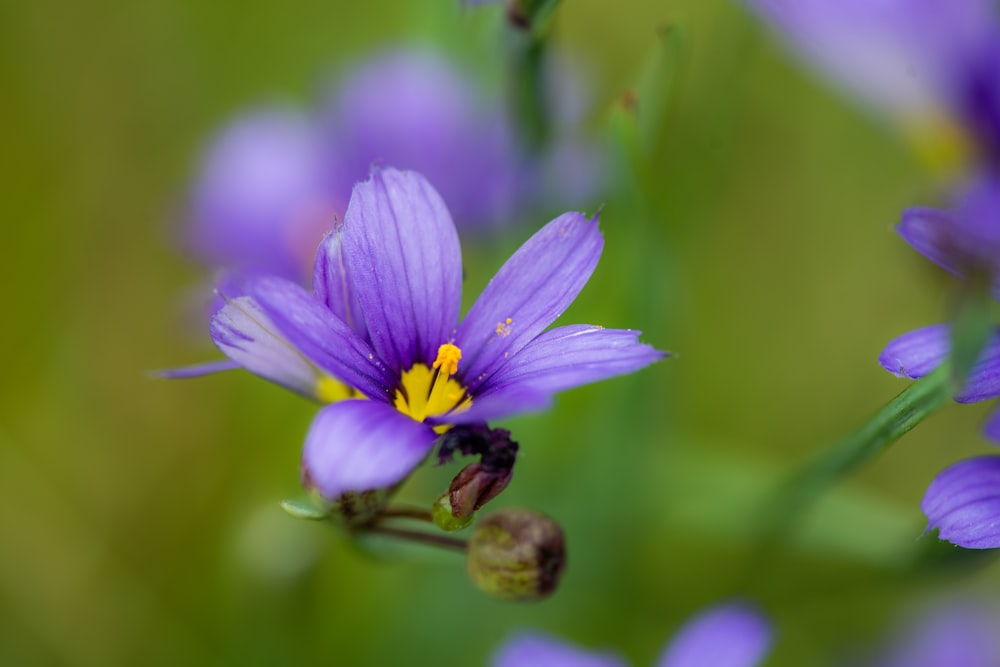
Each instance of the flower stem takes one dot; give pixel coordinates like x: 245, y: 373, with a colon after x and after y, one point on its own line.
x: 430, y: 539
x: 909, y: 408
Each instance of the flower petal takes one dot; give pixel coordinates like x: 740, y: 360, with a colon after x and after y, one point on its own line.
x: 358, y: 445
x: 963, y: 503
x: 247, y: 336
x: 403, y: 254
x: 332, y: 284
x: 571, y: 356
x: 983, y: 382
x: 935, y: 234
x: 916, y: 353
x: 537, y: 650
x: 527, y: 294
x: 196, y: 370
x: 731, y: 635
x: 504, y: 402
x: 321, y: 336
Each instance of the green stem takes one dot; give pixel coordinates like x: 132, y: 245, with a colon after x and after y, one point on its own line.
x: 912, y: 406
x: 528, y: 88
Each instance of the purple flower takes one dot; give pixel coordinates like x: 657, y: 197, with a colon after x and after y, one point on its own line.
x: 276, y: 180
x: 381, y: 330
x: 730, y: 635
x: 921, y: 61
x: 966, y: 243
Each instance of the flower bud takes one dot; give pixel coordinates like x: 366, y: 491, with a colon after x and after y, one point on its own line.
x: 516, y: 554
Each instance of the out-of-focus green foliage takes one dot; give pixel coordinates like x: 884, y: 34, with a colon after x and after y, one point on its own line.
x: 140, y: 518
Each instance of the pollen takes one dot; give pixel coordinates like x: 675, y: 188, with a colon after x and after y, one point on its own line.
x: 447, y: 360
x: 503, y: 328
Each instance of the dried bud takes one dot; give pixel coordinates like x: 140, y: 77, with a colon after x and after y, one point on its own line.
x: 516, y: 554
x: 476, y: 485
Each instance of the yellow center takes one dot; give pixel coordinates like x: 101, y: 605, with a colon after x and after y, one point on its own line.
x: 429, y: 392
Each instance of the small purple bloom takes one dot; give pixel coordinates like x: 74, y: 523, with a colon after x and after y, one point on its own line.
x: 729, y: 635
x: 963, y: 503
x: 381, y: 329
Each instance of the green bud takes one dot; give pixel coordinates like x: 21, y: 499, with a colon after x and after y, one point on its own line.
x: 444, y: 515
x: 516, y: 554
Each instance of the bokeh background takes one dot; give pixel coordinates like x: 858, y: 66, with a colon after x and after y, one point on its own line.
x: 139, y: 518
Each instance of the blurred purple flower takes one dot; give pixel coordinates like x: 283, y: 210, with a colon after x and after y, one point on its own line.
x: 262, y: 199
x: 414, y: 110
x: 924, y: 62
x: 277, y: 179
x: 959, y: 634
x: 966, y: 243
x: 381, y: 330
x: 537, y: 650
x: 730, y: 635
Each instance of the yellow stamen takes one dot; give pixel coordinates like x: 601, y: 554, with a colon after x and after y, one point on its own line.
x: 428, y: 393
x: 447, y: 360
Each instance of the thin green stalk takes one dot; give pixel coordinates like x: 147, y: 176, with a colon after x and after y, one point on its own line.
x: 909, y: 408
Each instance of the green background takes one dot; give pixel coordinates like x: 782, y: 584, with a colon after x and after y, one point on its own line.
x: 139, y: 517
